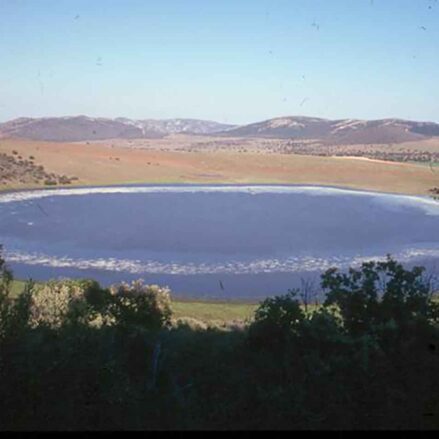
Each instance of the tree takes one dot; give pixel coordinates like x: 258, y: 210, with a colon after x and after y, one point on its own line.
x: 380, y: 293
x: 14, y: 314
x: 276, y: 319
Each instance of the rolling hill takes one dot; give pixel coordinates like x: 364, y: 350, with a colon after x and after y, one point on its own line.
x: 331, y: 132
x: 344, y: 131
x: 79, y: 128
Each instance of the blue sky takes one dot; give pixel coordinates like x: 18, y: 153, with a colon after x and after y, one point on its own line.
x: 234, y: 61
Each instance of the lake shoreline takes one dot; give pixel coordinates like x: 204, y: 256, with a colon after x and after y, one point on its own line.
x: 33, y: 188
x: 192, y: 261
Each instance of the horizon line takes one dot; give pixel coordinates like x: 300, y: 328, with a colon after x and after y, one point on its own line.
x: 215, y: 121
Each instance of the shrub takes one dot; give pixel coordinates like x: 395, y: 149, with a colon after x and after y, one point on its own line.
x: 148, y: 306
x: 276, y: 319
x: 190, y: 323
x: 14, y: 315
x: 85, y: 302
x: 5, y: 282
x: 60, y: 302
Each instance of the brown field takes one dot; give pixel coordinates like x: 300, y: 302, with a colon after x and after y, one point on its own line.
x: 158, y: 161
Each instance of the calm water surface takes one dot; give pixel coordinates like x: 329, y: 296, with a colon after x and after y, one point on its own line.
x: 212, y: 241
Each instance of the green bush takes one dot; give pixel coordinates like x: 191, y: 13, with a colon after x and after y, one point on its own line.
x: 276, y: 319
x: 14, y: 315
x: 138, y: 304
x: 56, y: 303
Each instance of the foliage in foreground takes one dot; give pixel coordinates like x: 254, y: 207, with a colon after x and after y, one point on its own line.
x: 77, y: 356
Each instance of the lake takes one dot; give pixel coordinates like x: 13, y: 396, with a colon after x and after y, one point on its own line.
x: 219, y: 241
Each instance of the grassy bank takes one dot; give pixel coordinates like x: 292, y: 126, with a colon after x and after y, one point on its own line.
x: 201, y: 310
x: 209, y: 311
x: 204, y: 310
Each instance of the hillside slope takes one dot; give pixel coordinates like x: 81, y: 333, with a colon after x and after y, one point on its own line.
x: 80, y: 128
x: 345, y: 131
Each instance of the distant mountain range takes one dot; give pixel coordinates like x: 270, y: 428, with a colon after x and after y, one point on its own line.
x: 79, y: 128
x: 342, y: 131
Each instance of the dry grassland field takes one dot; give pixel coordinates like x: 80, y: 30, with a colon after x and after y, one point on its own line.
x: 202, y: 159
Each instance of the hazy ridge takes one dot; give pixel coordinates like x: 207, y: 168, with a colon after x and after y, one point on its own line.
x: 79, y: 128
x: 341, y: 131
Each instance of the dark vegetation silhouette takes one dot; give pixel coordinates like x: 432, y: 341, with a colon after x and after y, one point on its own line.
x: 78, y: 356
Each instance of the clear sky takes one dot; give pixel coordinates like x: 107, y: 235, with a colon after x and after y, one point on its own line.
x: 235, y: 61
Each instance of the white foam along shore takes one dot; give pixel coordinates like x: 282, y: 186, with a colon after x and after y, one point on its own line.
x: 429, y: 205
x: 286, y: 265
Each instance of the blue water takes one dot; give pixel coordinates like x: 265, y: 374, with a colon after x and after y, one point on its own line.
x: 212, y: 241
